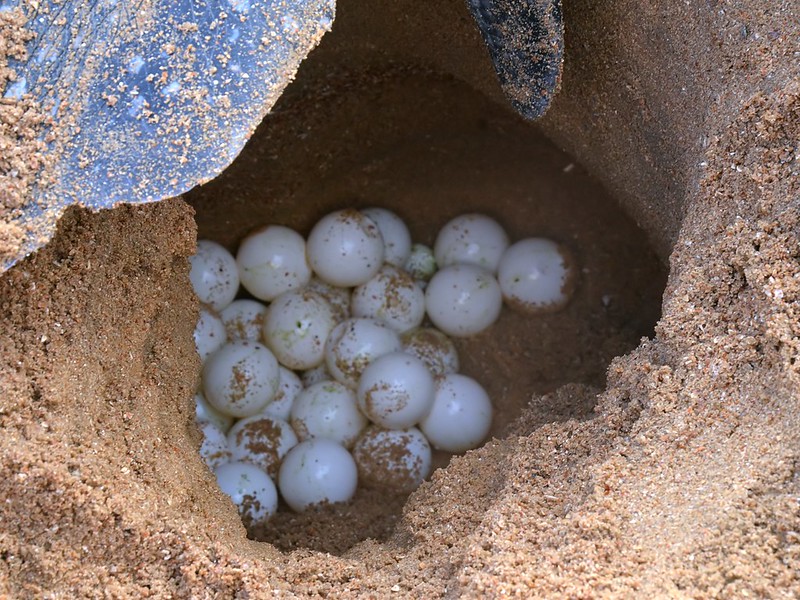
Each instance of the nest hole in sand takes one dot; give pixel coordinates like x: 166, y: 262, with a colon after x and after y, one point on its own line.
x: 430, y: 147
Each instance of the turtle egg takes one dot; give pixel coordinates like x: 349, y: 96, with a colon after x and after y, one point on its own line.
x: 337, y: 297
x: 536, y: 275
x: 433, y: 348
x: 281, y: 405
x: 317, y: 471
x: 471, y: 239
x: 240, y: 378
x: 461, y: 414
x: 214, y: 449
x: 243, y: 319
x: 396, y: 238
x: 261, y: 441
x: 205, y: 413
x: 355, y: 343
x: 328, y: 410
x: 209, y: 333
x: 272, y: 261
x: 251, y: 490
x: 394, y: 459
x: 345, y: 248
x: 391, y: 296
x: 213, y: 274
x: 421, y: 264
x: 396, y: 391
x: 296, y: 327
x: 463, y: 300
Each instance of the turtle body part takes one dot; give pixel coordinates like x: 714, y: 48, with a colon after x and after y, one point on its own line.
x: 526, y: 43
x: 145, y: 99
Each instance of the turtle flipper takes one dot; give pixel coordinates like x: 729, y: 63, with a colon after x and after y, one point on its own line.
x: 150, y: 98
x: 526, y: 43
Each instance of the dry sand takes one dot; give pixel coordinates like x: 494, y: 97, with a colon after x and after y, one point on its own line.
x: 682, y: 482
x: 22, y: 151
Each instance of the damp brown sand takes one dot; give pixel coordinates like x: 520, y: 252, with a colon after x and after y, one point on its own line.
x: 683, y: 484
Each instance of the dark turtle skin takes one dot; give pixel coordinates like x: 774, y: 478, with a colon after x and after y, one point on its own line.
x: 525, y: 39
x: 149, y: 98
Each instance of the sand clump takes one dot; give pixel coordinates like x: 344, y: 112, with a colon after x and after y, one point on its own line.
x: 676, y: 477
x: 22, y: 147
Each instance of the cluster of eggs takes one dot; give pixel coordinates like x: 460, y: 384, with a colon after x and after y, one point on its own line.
x: 330, y: 375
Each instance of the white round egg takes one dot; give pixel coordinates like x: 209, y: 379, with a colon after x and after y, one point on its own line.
x: 205, y: 413
x: 421, y: 264
x: 397, y: 460
x: 355, y: 343
x: 244, y: 319
x: 272, y: 261
x: 390, y: 296
x: 214, y: 448
x: 281, y: 405
x: 463, y: 300
x: 472, y: 239
x: 433, y: 348
x: 337, y: 297
x: 241, y: 378
x: 251, y: 490
x: 296, y: 328
x: 261, y: 441
x: 461, y: 414
x: 317, y: 471
x: 537, y: 275
x: 396, y: 237
x: 214, y: 275
x: 328, y: 410
x: 209, y: 333
x: 345, y: 248
x: 396, y: 390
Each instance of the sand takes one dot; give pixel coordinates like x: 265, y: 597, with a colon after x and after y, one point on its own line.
x: 23, y: 159
x: 670, y: 470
